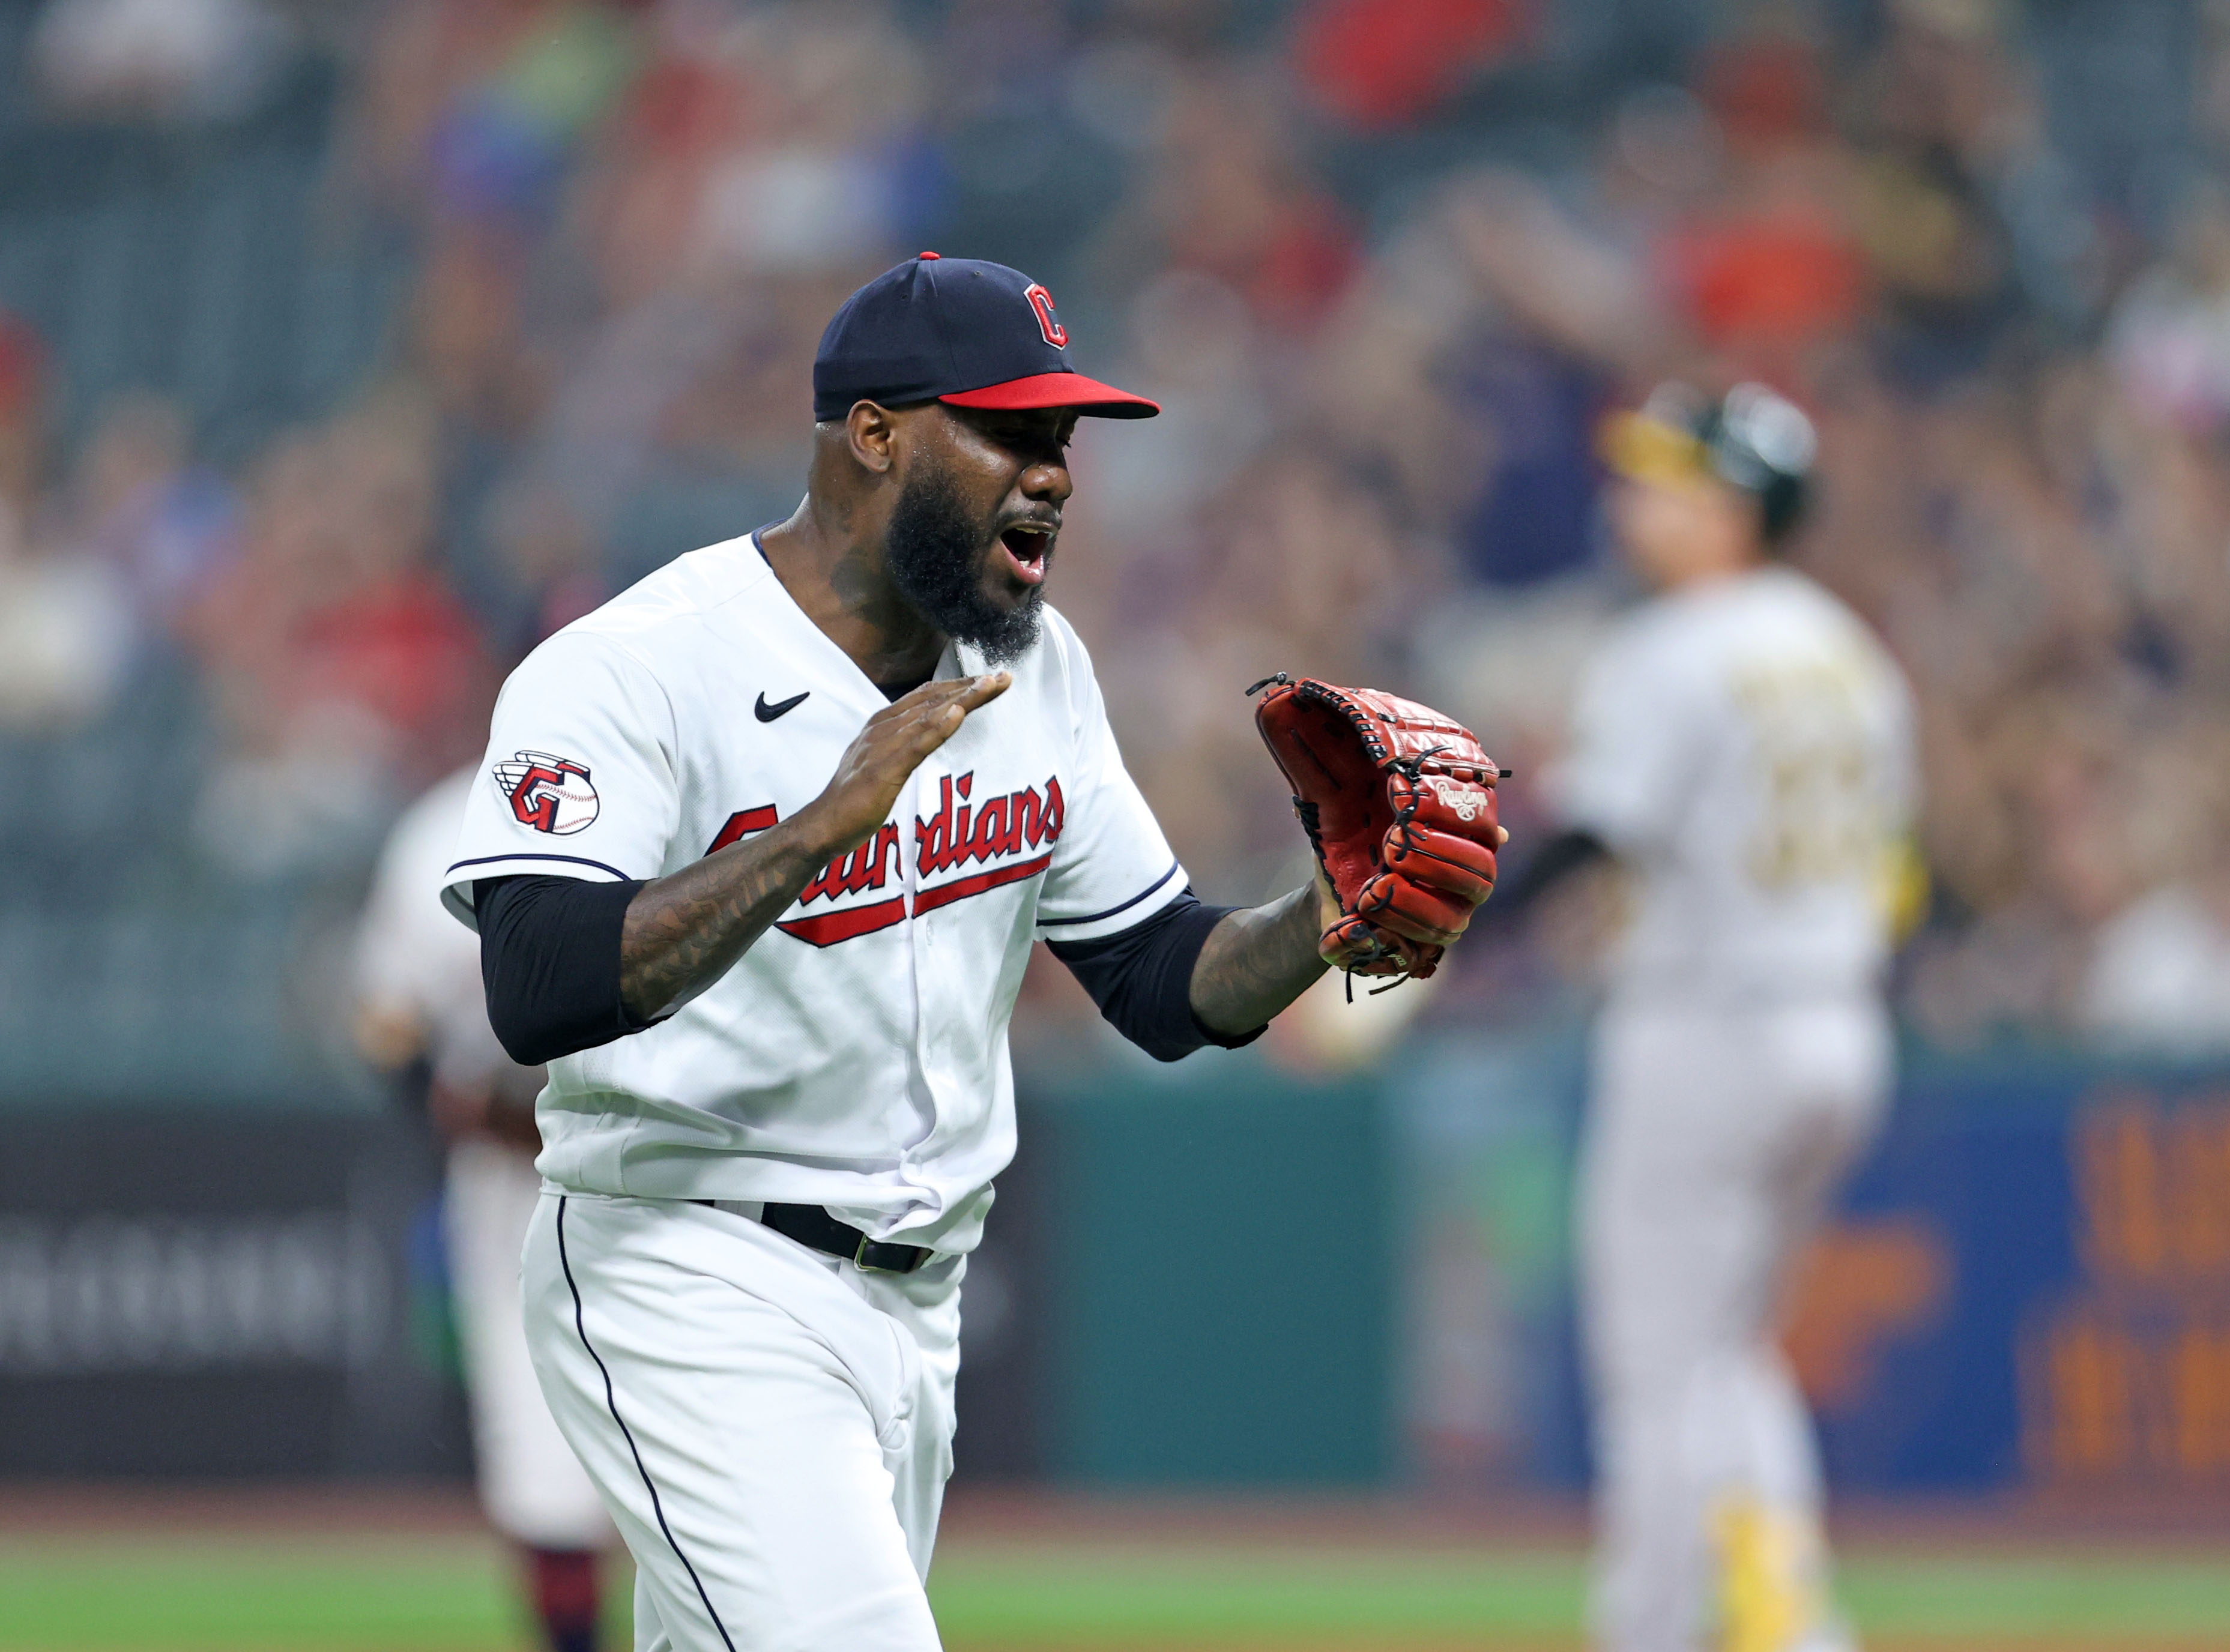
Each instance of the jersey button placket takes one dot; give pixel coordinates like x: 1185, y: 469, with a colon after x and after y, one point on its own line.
x: 921, y: 944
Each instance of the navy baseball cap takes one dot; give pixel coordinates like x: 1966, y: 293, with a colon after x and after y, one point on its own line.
x: 956, y: 330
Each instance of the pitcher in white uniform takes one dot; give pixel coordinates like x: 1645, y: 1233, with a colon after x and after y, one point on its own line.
x: 756, y: 857
x: 1741, y: 745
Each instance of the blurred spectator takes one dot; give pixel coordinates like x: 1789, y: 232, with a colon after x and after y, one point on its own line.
x: 2169, y: 342
x: 164, y: 525
x: 389, y: 635
x: 499, y: 150
x: 65, y: 634
x: 200, y: 60
x: 550, y: 559
x: 1224, y: 195
x: 345, y: 673
x: 1761, y: 267
x: 1195, y: 349
x: 472, y: 111
x: 2159, y: 977
x: 468, y: 331
x: 22, y: 414
x: 815, y: 184
x: 66, y: 622
x: 1378, y: 63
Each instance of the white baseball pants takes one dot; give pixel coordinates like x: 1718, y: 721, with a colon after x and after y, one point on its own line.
x: 771, y: 1428
x: 1715, y: 1141
x: 530, y: 1484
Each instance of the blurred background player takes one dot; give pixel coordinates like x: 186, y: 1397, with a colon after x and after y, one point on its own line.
x: 1741, y: 746
x: 422, y: 1017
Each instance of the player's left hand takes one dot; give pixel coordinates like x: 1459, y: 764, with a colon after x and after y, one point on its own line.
x: 1439, y: 865
x: 1398, y: 804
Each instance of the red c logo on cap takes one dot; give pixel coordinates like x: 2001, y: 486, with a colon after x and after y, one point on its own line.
x: 1041, y: 303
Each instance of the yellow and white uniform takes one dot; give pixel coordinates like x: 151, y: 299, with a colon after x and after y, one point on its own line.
x: 1744, y: 747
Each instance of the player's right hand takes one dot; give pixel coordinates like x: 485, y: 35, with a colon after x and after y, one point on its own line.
x: 873, y: 769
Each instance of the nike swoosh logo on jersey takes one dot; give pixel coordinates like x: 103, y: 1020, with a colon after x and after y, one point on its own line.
x: 766, y: 713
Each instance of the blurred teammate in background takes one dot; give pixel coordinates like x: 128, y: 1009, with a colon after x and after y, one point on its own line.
x: 422, y: 1015
x: 1742, y: 747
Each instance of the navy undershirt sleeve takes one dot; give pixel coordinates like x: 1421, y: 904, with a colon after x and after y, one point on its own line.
x: 1141, y: 977
x: 550, y: 959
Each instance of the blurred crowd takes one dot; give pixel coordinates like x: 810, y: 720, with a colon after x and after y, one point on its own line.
x: 630, y: 222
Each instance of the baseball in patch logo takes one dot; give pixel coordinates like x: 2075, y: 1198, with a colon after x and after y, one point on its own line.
x: 548, y: 793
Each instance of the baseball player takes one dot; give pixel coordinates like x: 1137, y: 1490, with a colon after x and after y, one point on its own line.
x: 1741, y: 746
x: 420, y: 1012
x: 756, y: 859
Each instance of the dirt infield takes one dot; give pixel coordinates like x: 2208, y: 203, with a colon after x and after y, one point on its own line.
x: 1535, y: 1520
x: 34, y: 1507
x: 1002, y: 1514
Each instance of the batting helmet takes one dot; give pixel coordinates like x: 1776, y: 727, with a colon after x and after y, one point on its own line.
x: 1752, y: 438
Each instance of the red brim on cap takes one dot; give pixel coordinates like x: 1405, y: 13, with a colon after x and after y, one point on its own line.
x: 1058, y: 390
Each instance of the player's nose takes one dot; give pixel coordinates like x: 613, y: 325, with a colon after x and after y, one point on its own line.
x: 1048, y: 480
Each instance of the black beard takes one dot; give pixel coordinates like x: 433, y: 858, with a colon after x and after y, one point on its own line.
x: 935, y: 556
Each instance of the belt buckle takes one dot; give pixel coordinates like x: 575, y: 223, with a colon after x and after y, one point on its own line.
x: 860, y: 1258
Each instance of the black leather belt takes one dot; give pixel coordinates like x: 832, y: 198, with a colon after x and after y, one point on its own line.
x: 811, y: 1225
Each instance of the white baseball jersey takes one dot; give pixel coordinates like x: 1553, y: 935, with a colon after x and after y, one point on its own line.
x: 856, y: 1057
x: 410, y: 958
x: 1745, y: 747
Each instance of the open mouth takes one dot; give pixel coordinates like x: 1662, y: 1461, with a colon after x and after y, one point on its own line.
x: 1027, y: 548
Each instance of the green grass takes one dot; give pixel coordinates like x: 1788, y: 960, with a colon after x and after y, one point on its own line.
x: 329, y: 1595
x: 2112, y: 1596
x: 335, y: 1593
x: 1134, y: 1595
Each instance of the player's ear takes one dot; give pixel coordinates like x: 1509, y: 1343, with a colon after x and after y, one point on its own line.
x: 872, y: 433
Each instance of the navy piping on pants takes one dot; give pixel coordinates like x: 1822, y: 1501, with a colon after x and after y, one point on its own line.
x: 612, y: 1405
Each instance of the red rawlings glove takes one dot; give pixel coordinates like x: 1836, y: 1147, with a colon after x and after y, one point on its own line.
x: 1398, y: 804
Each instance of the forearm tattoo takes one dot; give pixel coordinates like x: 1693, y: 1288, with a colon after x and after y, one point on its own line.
x: 1256, y: 961
x: 684, y: 932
